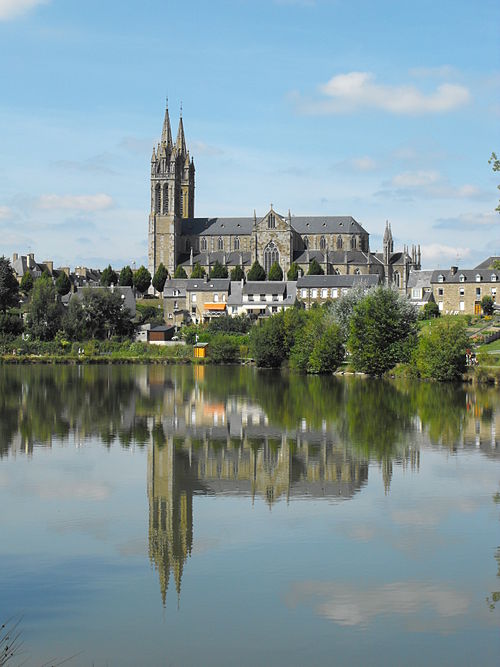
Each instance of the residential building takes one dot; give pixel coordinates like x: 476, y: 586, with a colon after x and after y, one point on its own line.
x: 460, y: 291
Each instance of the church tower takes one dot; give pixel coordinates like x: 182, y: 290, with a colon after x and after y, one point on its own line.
x: 172, y: 196
x: 388, y: 250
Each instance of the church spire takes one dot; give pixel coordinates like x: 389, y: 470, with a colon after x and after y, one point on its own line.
x: 180, y: 142
x: 166, y: 135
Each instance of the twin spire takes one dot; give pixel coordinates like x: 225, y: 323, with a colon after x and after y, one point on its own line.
x: 166, y: 134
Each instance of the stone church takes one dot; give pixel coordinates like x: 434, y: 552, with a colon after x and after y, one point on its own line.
x: 176, y: 237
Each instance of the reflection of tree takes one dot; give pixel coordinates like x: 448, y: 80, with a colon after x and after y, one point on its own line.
x: 495, y: 596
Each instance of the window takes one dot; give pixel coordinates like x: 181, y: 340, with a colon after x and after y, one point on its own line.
x: 237, y: 243
x: 339, y: 242
x: 271, y: 255
x: 250, y: 297
x: 336, y: 272
x: 193, y: 298
x: 396, y: 279
x: 306, y: 242
x: 440, y: 305
x: 353, y: 243
x: 157, y: 198
x: 303, y: 293
x: 182, y: 202
x: 440, y: 278
x: 493, y: 292
x: 322, y: 243
x: 262, y: 297
x: 314, y: 294
x: 177, y: 292
x: 493, y: 278
x: 462, y: 305
x: 324, y: 293
x: 462, y: 291
x: 335, y: 293
x: 478, y: 291
x: 440, y: 291
x: 170, y: 316
x: 416, y: 293
x: 478, y: 278
x: 224, y: 298
x: 357, y: 272
x: 220, y: 243
x: 216, y: 298
x: 193, y: 310
x: 165, y: 198
x: 462, y: 278
x: 271, y: 221
x: 203, y: 243
x: 176, y: 305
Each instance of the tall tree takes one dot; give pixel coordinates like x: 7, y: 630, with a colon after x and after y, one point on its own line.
x: 142, y: 280
x: 126, y: 278
x: 218, y: 271
x: 315, y: 268
x: 440, y: 354
x: 293, y: 271
x: 109, y: 277
x: 180, y: 272
x: 26, y: 283
x: 275, y: 272
x: 9, y: 287
x: 237, y: 273
x: 256, y: 272
x: 63, y: 284
x: 45, y: 311
x: 160, y: 278
x: 198, y: 271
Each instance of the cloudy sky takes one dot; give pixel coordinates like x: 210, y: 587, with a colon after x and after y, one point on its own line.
x: 379, y: 110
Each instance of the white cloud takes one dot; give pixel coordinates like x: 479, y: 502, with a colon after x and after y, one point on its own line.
x: 364, y: 163
x: 11, y: 9
x: 359, y: 91
x: 5, y: 212
x: 437, y: 253
x: 439, y: 72
x: 415, y: 179
x: 468, y: 221
x: 428, y: 184
x: 97, y: 202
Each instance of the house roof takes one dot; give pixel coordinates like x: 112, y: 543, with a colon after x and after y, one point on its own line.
x: 419, y: 279
x: 486, y: 264
x: 265, y: 287
x: 233, y: 258
x: 469, y: 275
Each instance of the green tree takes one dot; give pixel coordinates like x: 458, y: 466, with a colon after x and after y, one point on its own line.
x: 10, y: 324
x: 342, y: 309
x: 142, y: 280
x: 45, y: 311
x: 26, y: 283
x: 109, y: 277
x: 293, y: 271
x: 382, y: 331
x: 328, y: 351
x: 99, y: 314
x: 179, y: 272
x: 275, y: 272
x: 315, y: 269
x: 198, y: 271
x: 256, y: 272
x: 237, y: 273
x: 223, y: 349
x: 495, y: 165
x: 266, y: 342
x: 218, y: 271
x: 440, y: 353
x: 9, y: 287
x: 126, y: 278
x: 495, y: 265
x: 63, y: 284
x: 430, y: 311
x: 160, y: 278
x: 487, y: 304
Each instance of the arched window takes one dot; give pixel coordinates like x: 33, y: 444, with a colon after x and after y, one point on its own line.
x: 271, y: 255
x: 306, y: 242
x: 237, y: 243
x: 203, y: 243
x: 339, y: 242
x: 271, y: 221
x: 396, y: 278
x: 165, y: 199
x: 157, y: 198
x: 322, y: 243
x: 353, y: 243
x: 220, y: 243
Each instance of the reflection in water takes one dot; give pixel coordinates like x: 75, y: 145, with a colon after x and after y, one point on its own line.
x: 238, y: 431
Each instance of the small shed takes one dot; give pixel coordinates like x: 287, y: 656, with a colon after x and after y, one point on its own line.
x: 160, y: 334
x: 200, y: 350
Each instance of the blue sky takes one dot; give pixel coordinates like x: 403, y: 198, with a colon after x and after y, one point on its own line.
x: 379, y: 110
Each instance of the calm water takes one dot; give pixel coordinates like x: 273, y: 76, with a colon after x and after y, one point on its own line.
x: 225, y: 516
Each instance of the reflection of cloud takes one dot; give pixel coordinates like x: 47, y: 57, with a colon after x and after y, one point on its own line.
x: 351, y: 605
x: 134, y: 547
x: 69, y: 490
x: 94, y: 527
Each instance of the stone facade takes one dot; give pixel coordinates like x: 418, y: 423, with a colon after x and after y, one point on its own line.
x: 460, y: 291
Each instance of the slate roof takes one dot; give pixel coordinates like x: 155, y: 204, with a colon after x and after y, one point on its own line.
x: 264, y: 287
x: 332, y: 224
x: 370, y: 280
x: 488, y: 262
x: 232, y: 258
x: 319, y: 224
x: 202, y: 285
x: 419, y: 279
x: 469, y: 275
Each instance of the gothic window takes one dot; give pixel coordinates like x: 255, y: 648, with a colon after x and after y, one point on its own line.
x: 220, y: 243
x: 339, y: 242
x: 157, y: 198
x: 271, y: 255
x: 306, y: 242
x: 203, y: 243
x: 271, y: 221
x: 165, y: 199
x: 182, y: 203
x: 396, y: 279
x: 237, y: 243
x: 353, y: 243
x: 322, y: 243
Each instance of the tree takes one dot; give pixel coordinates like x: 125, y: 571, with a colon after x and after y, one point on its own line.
x: 495, y: 165
x: 198, y: 271
x: 237, y: 273
x: 275, y: 272
x: 315, y: 269
x: 382, y: 331
x: 440, y: 353
x: 109, y: 277
x: 266, y: 342
x: 429, y: 311
x: 63, y: 284
x: 142, y: 280
x: 126, y: 278
x: 45, y: 311
x: 160, y: 278
x: 99, y: 314
x: 218, y: 271
x: 179, y: 272
x: 223, y: 349
x: 256, y: 272
x: 293, y: 271
x: 495, y: 265
x: 9, y: 287
x: 328, y: 351
x: 487, y: 304
x: 342, y: 309
x: 26, y: 283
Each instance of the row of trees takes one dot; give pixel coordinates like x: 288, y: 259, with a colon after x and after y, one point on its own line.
x: 255, y: 273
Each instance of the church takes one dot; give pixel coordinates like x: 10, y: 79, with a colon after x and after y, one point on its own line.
x: 339, y: 244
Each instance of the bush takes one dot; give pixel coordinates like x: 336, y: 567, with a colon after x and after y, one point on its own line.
x: 223, y: 348
x: 10, y: 324
x: 228, y: 324
x: 315, y: 269
x: 267, y: 342
x: 487, y: 304
x: 429, y: 311
x: 293, y: 271
x: 328, y: 351
x: 198, y: 271
x: 440, y: 353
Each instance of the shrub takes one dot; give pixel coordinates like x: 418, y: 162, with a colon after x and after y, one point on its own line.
x: 237, y: 273
x: 487, y: 304
x: 293, y: 271
x: 223, y: 348
x: 440, y: 353
x: 142, y: 279
x: 198, y: 271
x: 267, y: 342
x: 430, y: 310
x: 315, y: 269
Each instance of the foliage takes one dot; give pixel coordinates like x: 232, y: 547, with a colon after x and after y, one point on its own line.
x: 487, y: 304
x: 495, y: 265
x: 227, y: 324
x: 256, y: 272
x: 224, y: 349
x: 293, y: 271
x: 267, y: 342
x: 146, y: 314
x: 9, y: 287
x: 45, y: 311
x: 342, y: 308
x: 126, y: 278
x: 237, y: 273
x: 429, y: 311
x: 26, y: 283
x: 328, y: 351
x: 318, y: 346
x: 275, y: 272
x: 99, y: 314
x: 382, y: 331
x: 160, y: 278
x: 198, y: 271
x: 142, y: 280
x: 180, y: 272
x: 314, y: 268
x: 218, y: 271
x: 440, y: 353
x: 109, y: 277
x: 10, y: 324
x: 63, y: 284
x: 495, y: 165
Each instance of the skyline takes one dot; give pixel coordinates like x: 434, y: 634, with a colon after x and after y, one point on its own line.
x: 323, y: 107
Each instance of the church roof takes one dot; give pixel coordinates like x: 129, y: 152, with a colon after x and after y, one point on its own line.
x: 302, y: 224
x: 332, y: 224
x: 217, y: 226
x: 233, y: 258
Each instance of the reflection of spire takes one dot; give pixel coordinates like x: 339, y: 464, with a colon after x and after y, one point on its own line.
x: 387, y: 473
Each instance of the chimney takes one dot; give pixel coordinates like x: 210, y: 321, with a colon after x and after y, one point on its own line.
x: 50, y: 266
x: 453, y: 270
x: 31, y: 260
x: 15, y: 257
x: 64, y: 269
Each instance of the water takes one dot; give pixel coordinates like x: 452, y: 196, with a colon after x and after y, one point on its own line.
x: 225, y: 516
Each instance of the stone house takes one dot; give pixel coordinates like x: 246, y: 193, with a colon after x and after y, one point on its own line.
x: 318, y: 289
x: 419, y: 288
x: 261, y: 298
x: 460, y: 291
x: 195, y: 300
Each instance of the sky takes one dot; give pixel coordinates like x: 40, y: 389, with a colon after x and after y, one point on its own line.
x: 384, y: 110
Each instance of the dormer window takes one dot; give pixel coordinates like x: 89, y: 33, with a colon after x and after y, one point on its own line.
x: 440, y: 278
x: 493, y: 277
x: 478, y: 278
